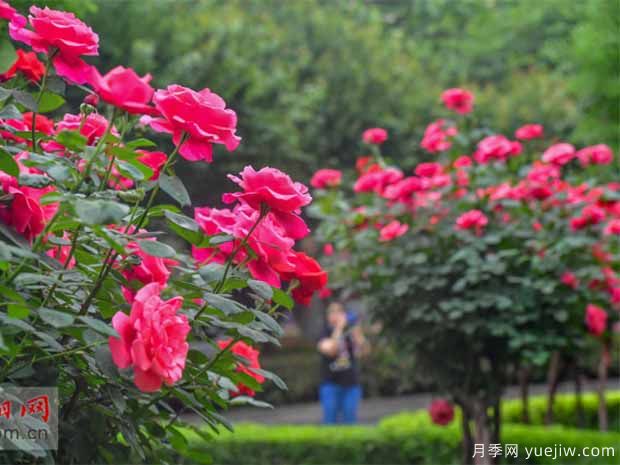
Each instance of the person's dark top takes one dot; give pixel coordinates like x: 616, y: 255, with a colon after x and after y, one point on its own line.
x: 343, y: 369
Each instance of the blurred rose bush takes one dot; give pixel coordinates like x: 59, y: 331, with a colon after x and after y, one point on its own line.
x: 93, y: 301
x: 487, y: 256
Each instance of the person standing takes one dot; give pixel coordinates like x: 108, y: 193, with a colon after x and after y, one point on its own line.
x: 340, y: 346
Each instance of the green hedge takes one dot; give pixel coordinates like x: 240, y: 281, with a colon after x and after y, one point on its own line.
x: 408, y: 438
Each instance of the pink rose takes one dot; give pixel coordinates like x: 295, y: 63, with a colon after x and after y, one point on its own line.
x: 153, y: 339
x: 463, y: 161
x: 154, y: 160
x: 124, y: 89
x: 596, y: 319
x: 428, y: 170
x: 403, y: 190
x: 10, y: 14
x: 326, y: 178
x: 441, y: 412
x: 472, y: 219
x: 599, y: 154
x: 436, y: 136
x: 529, y: 132
x: 569, y: 279
x: 376, y: 136
x: 149, y: 269
x: 613, y: 227
x: 591, y: 214
x: 559, y: 154
x: 59, y: 31
x: 93, y: 127
x: 377, y: 181
x: 202, y: 115
x: 328, y: 250
x: 458, y: 100
x: 495, y: 148
x: 249, y: 357
x: 275, y: 189
x: 392, y: 230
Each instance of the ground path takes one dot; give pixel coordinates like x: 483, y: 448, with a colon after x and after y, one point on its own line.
x: 371, y: 410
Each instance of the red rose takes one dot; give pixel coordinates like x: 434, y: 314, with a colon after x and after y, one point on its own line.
x: 473, y: 219
x: 613, y: 227
x: 376, y: 136
x: 27, y: 64
x: 591, y: 214
x: 43, y: 124
x: 463, y: 161
x: 272, y: 187
x: 202, y: 115
x: 310, y: 275
x: 599, y: 154
x: 124, y: 89
x: 377, y: 181
x: 596, y: 319
x: 458, y: 100
x: 249, y: 357
x: 569, y: 279
x: 559, y: 154
x: 62, y: 33
x: 529, y: 132
x: 326, y: 178
x: 441, y: 412
x: 154, y: 160
x: 428, y: 170
x: 392, y: 230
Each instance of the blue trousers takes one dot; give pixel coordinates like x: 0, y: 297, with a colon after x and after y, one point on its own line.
x: 339, y: 403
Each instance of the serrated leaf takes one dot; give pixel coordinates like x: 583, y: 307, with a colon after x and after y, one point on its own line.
x: 282, y: 298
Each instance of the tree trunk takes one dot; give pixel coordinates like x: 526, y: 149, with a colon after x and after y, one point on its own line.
x: 579, y: 412
x: 497, y: 422
x: 602, y: 385
x: 553, y: 378
x: 468, y: 443
x: 483, y: 433
x: 524, y: 385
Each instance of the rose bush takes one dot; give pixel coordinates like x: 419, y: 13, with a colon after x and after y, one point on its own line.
x: 485, y: 258
x: 132, y: 331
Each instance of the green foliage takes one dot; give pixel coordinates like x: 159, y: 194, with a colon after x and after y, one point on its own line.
x: 403, y: 439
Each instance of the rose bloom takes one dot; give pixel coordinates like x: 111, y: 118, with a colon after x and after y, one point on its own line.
x: 392, y: 230
x: 8, y: 12
x: 427, y: 170
x: 364, y: 164
x: 23, y: 209
x: 472, y: 219
x: 529, y: 132
x: 202, y: 116
x: 403, y: 190
x: 591, y: 214
x: 596, y: 319
x: 328, y: 250
x: 154, y: 160
x: 26, y: 64
x: 569, y: 279
x: 275, y: 189
x: 375, y: 136
x: 458, y: 100
x: 93, y: 127
x: 495, y: 148
x: 559, y: 154
x: 462, y: 162
x: 249, y: 357
x: 311, y: 277
x: 124, y: 89
x: 153, y: 339
x: 436, y: 136
x: 441, y: 412
x: 326, y: 178
x: 150, y: 269
x: 613, y: 227
x: 377, y: 181
x: 62, y: 33
x: 42, y: 124
x: 599, y: 154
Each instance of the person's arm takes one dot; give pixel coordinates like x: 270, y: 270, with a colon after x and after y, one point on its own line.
x: 329, y: 345
x: 362, y: 346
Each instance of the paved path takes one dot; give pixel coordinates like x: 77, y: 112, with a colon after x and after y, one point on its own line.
x: 371, y: 410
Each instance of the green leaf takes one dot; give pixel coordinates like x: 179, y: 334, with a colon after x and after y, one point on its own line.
x: 272, y: 376
x: 211, y: 272
x: 100, y: 211
x: 50, y: 102
x: 99, y: 326
x: 73, y: 140
x: 55, y: 318
x: 157, y: 249
x: 228, y: 306
x: 18, y: 311
x: 174, y: 187
x: 263, y: 289
x: 8, y: 164
x: 25, y: 99
x: 56, y: 85
x: 35, y: 180
x: 282, y: 298
x: 185, y: 227
x: 142, y: 142
x: 10, y: 112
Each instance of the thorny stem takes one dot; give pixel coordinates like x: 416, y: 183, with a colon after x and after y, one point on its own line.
x: 41, y: 90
